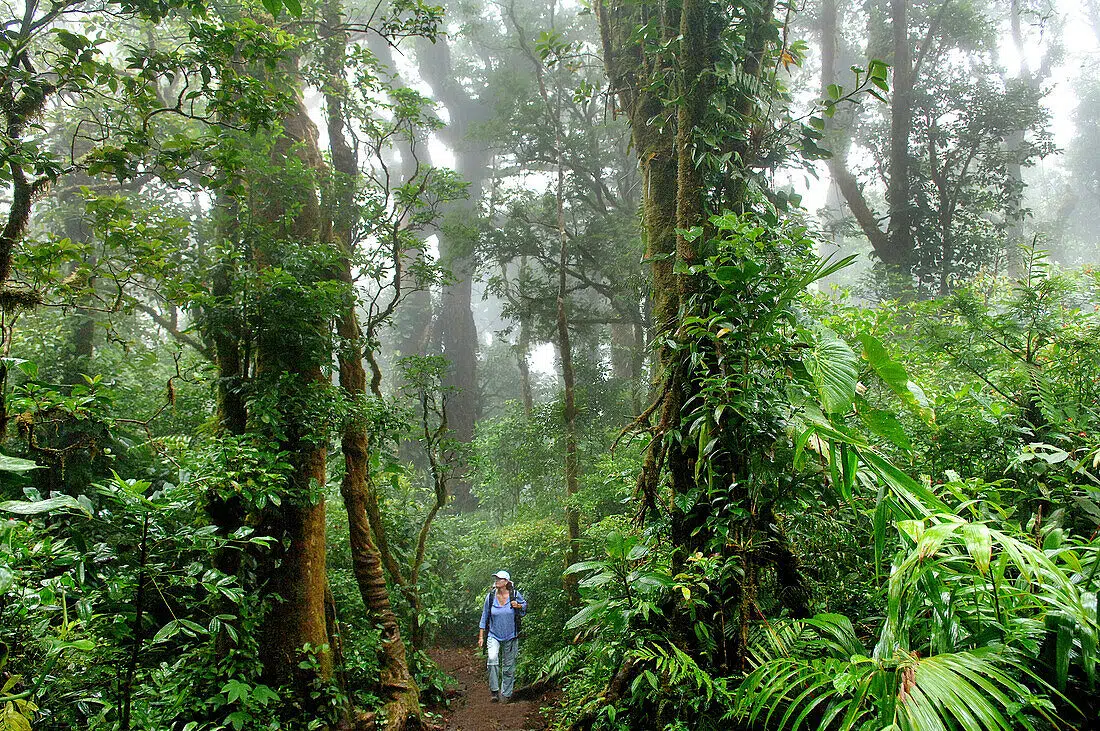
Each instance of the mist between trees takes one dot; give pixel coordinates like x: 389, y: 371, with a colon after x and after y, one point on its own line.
x: 759, y: 341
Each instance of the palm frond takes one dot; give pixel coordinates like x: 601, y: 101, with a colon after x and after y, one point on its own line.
x: 974, y: 690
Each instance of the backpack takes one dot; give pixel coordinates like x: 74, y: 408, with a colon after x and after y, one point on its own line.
x: 516, y: 615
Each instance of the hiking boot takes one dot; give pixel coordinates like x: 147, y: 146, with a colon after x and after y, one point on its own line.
x: 506, y: 699
x: 493, y: 696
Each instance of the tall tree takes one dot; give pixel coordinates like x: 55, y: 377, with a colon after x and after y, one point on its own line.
x: 401, y: 703
x: 931, y: 157
x: 456, y: 334
x: 552, y: 103
x: 291, y: 356
x: 677, y: 194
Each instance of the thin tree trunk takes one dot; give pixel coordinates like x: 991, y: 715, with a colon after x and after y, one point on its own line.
x: 523, y: 347
x: 899, y: 254
x: 400, y: 696
x: 135, y: 647
x: 565, y: 348
x: 839, y: 135
x: 1015, y: 240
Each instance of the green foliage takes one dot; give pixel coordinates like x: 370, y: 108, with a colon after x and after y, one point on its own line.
x: 633, y: 588
x: 90, y: 603
x: 981, y: 623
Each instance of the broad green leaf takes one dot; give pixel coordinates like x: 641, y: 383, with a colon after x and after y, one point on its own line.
x: 17, y: 464
x: 979, y: 545
x: 1063, y: 647
x: 833, y: 366
x: 916, y: 496
x: 587, y: 614
x: 912, y: 528
x: 884, y: 424
x: 167, y: 631
x: 894, y: 375
x: 82, y: 645
x: 839, y: 632
x: 28, y: 367
x: 13, y: 720
x: 61, y: 502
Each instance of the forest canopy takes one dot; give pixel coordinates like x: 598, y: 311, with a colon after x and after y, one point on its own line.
x: 758, y: 343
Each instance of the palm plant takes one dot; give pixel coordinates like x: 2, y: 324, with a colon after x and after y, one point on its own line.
x: 974, y: 609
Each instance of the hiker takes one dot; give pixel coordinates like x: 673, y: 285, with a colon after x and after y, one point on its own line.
x: 500, y: 618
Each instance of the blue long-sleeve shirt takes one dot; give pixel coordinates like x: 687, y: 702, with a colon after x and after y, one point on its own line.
x: 501, y: 620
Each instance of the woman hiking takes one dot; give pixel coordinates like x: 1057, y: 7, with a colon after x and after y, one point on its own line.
x: 500, y: 618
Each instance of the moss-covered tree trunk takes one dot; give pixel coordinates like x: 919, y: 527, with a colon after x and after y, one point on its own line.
x: 290, y: 357
x: 629, y: 69
x: 676, y: 195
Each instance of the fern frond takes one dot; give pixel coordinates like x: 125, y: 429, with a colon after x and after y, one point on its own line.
x: 561, y: 662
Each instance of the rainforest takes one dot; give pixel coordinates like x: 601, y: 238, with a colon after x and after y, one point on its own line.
x: 563, y: 365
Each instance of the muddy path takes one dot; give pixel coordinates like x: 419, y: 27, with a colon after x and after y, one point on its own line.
x: 472, y: 709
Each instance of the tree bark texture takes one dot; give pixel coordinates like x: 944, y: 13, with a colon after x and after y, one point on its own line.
x: 224, y: 327
x: 629, y: 69
x: 675, y: 198
x: 899, y: 252
x: 884, y: 241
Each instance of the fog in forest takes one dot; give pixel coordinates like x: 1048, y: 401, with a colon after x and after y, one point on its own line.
x: 579, y: 365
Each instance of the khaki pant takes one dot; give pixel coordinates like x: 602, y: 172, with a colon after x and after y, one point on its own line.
x: 502, y: 664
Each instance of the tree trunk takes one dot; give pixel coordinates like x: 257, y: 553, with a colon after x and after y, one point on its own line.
x: 692, y: 53
x: 898, y: 256
x: 400, y: 696
x: 224, y: 327
x: 523, y: 348
x: 456, y: 328
x: 565, y: 347
x: 699, y: 32
x: 1015, y: 238
x: 296, y: 573
x: 629, y: 69
x: 622, y: 350
x: 838, y: 134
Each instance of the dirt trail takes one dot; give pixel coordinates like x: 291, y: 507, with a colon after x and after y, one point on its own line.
x: 472, y: 710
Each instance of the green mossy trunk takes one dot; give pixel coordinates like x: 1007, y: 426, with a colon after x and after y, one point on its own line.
x: 288, y: 354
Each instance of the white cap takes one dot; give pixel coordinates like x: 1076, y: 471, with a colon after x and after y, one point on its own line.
x: 502, y: 575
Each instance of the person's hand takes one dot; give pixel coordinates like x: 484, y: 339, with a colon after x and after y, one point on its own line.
x: 480, y: 641
x: 515, y: 604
